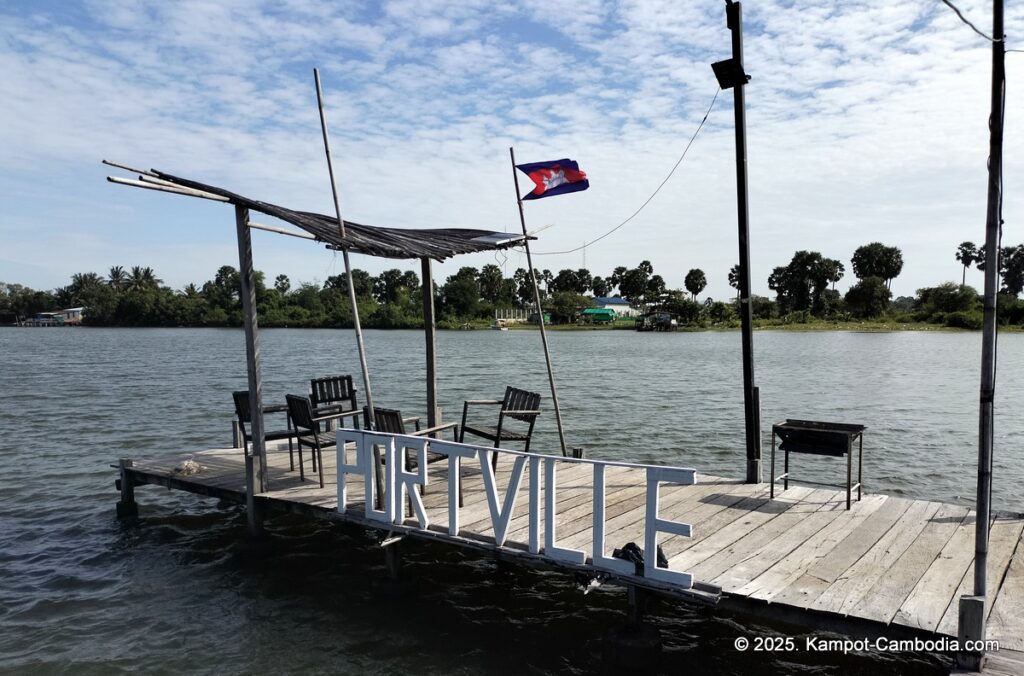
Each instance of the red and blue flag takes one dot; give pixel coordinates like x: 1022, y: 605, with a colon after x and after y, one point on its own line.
x: 554, y: 178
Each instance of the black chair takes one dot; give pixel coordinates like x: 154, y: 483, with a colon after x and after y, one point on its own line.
x: 242, y: 411
x: 334, y: 394
x: 390, y: 421
x: 307, y: 426
x: 518, y: 405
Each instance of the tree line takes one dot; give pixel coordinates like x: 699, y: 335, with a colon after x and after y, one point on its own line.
x: 804, y: 291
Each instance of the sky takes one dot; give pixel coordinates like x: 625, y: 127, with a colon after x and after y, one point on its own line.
x: 866, y: 120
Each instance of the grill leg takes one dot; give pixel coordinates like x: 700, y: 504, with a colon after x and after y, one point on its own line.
x: 849, y: 473
x: 860, y: 468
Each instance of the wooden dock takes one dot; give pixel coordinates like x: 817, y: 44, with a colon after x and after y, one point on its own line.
x: 888, y: 567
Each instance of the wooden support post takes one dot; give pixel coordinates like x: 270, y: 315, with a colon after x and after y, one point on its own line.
x: 393, y: 560
x: 255, y: 472
x: 126, y: 507
x: 637, y: 600
x: 433, y: 418
x: 972, y: 628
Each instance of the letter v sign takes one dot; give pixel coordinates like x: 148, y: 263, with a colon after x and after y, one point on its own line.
x: 501, y: 519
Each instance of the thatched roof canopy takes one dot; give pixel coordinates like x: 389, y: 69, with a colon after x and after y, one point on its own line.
x: 436, y: 243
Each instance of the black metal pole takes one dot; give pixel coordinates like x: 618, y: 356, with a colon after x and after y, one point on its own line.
x: 734, y: 20
x: 988, y: 347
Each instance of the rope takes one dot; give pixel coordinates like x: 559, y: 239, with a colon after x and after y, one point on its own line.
x: 648, y: 200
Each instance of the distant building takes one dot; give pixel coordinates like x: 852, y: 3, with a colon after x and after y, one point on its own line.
x: 72, y: 315
x: 46, y: 319
x: 620, y: 306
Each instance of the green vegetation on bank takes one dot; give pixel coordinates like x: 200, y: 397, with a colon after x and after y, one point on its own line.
x: 805, y: 297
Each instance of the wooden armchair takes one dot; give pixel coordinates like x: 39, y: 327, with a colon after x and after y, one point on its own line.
x: 334, y: 394
x: 242, y: 411
x: 307, y: 426
x: 391, y: 421
x: 517, y: 405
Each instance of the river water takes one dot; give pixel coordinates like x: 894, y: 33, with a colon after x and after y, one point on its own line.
x: 183, y: 590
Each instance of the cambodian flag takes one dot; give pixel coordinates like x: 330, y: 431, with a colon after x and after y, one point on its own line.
x: 554, y: 178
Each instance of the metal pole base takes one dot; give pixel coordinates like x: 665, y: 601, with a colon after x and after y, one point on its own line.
x: 753, y: 471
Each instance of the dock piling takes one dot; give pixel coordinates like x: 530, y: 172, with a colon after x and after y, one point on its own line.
x: 126, y: 507
x: 971, y: 628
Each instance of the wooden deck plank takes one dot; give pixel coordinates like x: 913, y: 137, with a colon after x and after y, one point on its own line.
x: 732, y: 529
x: 928, y: 601
x: 1006, y: 621
x: 881, y: 601
x: 1002, y: 542
x: 750, y: 556
x: 623, y: 519
x: 793, y: 564
x: 804, y: 590
x: 849, y: 588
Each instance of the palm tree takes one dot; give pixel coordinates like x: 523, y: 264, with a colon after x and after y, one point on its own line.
x: 695, y: 282
x: 734, y: 279
x: 117, y: 277
x: 968, y: 255
x: 190, y: 291
x: 143, y: 278
x: 152, y: 281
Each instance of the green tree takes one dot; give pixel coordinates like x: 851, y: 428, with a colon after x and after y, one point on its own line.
x: 946, y: 298
x: 490, y: 280
x: 968, y: 255
x: 835, y: 271
x: 282, y: 284
x: 868, y: 298
x: 117, y: 278
x: 877, y: 260
x: 388, y: 285
x: 584, y: 280
x: 600, y: 287
x: 460, y: 295
x: 566, y: 307
x: 565, y: 281
x: 734, y: 279
x: 616, y: 278
x: 695, y: 282
x: 362, y: 282
x: 800, y: 285
x: 1012, y: 269
x: 640, y: 283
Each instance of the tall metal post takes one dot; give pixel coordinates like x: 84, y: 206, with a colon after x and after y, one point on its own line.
x: 734, y: 21
x: 253, y: 476
x: 972, y: 609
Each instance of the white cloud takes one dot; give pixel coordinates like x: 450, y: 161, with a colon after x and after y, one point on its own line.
x: 867, y: 121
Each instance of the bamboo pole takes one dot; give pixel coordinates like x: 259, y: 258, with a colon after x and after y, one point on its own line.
x: 540, y: 309
x: 281, y: 231
x: 378, y: 477
x: 175, y: 189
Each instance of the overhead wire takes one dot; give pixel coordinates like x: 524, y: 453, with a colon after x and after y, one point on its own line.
x: 953, y: 7
x: 656, y: 191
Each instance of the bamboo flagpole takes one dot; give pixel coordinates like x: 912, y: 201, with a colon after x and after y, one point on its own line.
x: 377, y: 477
x: 540, y: 309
